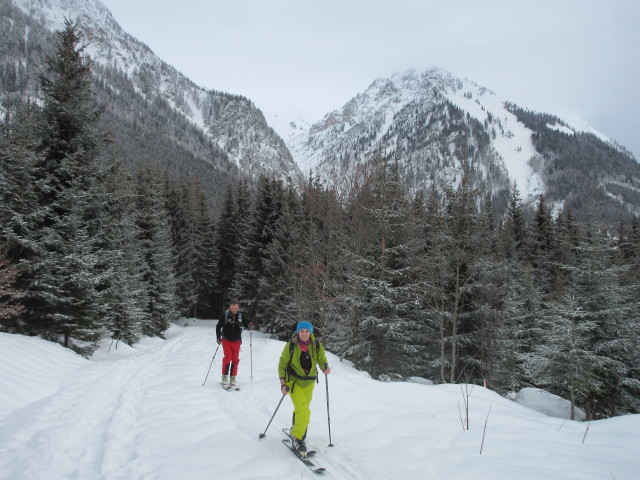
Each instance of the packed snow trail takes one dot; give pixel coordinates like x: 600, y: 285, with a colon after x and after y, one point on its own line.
x: 142, y: 413
x: 121, y: 419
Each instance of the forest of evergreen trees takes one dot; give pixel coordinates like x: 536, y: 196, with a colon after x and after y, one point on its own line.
x: 437, y: 286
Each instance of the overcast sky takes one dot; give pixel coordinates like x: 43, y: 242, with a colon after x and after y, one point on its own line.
x: 566, y: 57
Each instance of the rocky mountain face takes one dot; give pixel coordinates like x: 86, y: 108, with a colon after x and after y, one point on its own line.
x: 155, y: 115
x: 434, y: 124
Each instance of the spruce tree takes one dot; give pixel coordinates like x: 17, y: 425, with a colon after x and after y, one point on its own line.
x: 227, y: 246
x: 21, y: 213
x: 62, y: 296
x: 282, y: 268
x: 598, y: 281
x: 264, y: 219
x: 157, y: 248
x: 182, y: 221
x: 461, y: 275
x: 121, y: 272
x: 385, y: 339
x: 206, y: 252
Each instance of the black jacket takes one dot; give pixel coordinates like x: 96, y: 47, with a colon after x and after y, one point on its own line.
x: 230, y: 326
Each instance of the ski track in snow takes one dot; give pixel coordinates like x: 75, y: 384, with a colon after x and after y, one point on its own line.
x: 109, y: 417
x: 142, y: 413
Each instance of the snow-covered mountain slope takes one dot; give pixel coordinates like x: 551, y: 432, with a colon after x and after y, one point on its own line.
x: 432, y: 121
x: 222, y: 117
x: 143, y: 412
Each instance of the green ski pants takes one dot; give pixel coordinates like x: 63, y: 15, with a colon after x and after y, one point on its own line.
x: 301, y: 398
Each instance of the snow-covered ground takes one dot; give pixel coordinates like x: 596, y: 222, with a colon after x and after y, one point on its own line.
x: 143, y: 413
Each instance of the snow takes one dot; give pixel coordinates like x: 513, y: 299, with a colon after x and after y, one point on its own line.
x: 514, y: 145
x: 143, y: 412
x: 560, y: 128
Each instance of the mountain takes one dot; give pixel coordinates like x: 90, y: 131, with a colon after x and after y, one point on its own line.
x: 155, y: 115
x: 432, y: 121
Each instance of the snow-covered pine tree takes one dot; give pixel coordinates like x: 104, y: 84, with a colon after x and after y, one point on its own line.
x: 383, y: 334
x: 322, y: 231
x: 205, y: 273
x: 565, y: 361
x: 122, y: 267
x: 514, y: 227
x: 282, y: 268
x: 227, y: 246
x: 182, y: 223
x: 432, y: 284
x: 461, y: 248
x: 244, y: 215
x: 516, y: 330
x: 157, y: 250
x: 62, y: 296
x: 20, y: 211
x: 264, y: 219
x: 597, y: 279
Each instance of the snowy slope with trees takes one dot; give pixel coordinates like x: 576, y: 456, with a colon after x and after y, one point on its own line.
x: 143, y: 412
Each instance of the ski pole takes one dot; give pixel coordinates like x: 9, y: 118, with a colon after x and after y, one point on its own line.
x: 263, y: 434
x: 214, y: 357
x: 326, y: 378
x: 251, y: 353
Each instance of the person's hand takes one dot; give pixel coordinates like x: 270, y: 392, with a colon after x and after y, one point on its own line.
x: 327, y: 371
x: 284, y: 389
x: 219, y: 341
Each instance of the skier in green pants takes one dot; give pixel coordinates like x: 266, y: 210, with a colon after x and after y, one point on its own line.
x: 298, y: 376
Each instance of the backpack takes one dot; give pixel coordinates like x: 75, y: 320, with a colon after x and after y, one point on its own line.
x: 289, y: 370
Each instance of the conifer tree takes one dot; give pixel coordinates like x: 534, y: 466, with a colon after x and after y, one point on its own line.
x: 597, y: 280
x: 514, y: 226
x: 157, y: 248
x: 206, y: 253
x: 282, y: 267
x: 185, y: 243
x: 321, y: 234
x: 264, y: 219
x: 20, y: 210
x: 121, y: 271
x: 243, y: 220
x: 461, y: 275
x: 381, y: 294
x: 62, y: 298
x: 432, y: 262
x: 227, y: 246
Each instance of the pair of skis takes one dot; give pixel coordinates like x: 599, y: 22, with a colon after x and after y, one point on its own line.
x: 310, y: 465
x: 230, y: 388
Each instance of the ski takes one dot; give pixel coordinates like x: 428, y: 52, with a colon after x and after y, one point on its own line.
x: 310, y: 465
x: 289, y: 443
x: 229, y: 388
x: 287, y: 432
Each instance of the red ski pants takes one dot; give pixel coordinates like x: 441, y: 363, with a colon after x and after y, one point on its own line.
x: 231, y: 356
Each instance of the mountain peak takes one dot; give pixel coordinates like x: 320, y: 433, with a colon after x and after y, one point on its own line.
x: 433, y: 122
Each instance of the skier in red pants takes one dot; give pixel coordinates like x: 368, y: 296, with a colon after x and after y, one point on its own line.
x: 229, y: 333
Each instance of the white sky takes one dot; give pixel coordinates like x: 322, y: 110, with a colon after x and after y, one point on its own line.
x: 566, y: 57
